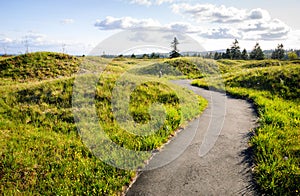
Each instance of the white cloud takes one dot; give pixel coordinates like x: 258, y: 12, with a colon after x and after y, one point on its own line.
x: 208, y: 12
x: 221, y: 33
x: 159, y: 2
x: 251, y: 30
x: 150, y: 2
x: 232, y: 22
x: 258, y: 14
x: 128, y: 23
x: 219, y: 14
x: 41, y: 42
x: 141, y: 2
x: 31, y: 41
x: 125, y: 23
x: 270, y: 30
x: 34, y: 38
x: 67, y: 21
x: 293, y: 41
x: 6, y: 40
x: 184, y: 27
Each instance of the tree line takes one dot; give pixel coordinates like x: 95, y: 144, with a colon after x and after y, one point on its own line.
x: 257, y: 53
x: 233, y: 53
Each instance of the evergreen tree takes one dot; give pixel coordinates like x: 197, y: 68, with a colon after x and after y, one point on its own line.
x: 133, y: 56
x: 209, y: 55
x: 175, y: 52
x: 154, y: 55
x: 244, y: 54
x: 257, y: 53
x: 227, y: 54
x: 235, y: 50
x: 145, y: 56
x: 278, y: 52
x: 217, y: 56
x: 223, y: 55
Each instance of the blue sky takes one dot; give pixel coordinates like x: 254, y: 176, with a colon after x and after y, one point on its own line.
x: 77, y: 26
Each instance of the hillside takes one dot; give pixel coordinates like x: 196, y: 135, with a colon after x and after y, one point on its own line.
x: 42, y: 151
x: 273, y: 87
x: 38, y: 66
x: 187, y: 67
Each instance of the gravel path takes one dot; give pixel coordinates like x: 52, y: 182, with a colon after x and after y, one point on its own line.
x: 206, y: 167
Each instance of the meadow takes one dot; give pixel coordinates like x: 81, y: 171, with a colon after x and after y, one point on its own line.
x: 41, y: 149
x: 274, y: 89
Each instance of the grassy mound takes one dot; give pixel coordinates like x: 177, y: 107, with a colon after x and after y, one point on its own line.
x: 154, y: 70
x: 280, y: 81
x: 185, y: 67
x: 275, y: 92
x: 38, y: 66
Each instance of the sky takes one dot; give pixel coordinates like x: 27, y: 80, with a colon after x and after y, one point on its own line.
x: 79, y: 26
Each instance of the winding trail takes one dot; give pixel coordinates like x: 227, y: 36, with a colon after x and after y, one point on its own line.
x: 220, y: 168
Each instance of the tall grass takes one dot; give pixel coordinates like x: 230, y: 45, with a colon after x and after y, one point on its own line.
x: 273, y: 86
x: 41, y: 151
x: 38, y: 66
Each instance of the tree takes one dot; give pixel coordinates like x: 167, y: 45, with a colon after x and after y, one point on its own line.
x: 223, y: 55
x: 154, y: 56
x: 297, y: 52
x: 145, y: 56
x: 278, y: 53
x: 209, y: 55
x: 257, y: 53
x: 244, y: 54
x: 292, y: 55
x: 217, y: 56
x: 235, y: 50
x: 133, y: 56
x: 227, y: 54
x: 174, y: 44
x: 175, y: 52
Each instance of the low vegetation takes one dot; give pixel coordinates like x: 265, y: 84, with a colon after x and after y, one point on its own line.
x: 41, y: 151
x: 273, y: 86
x: 38, y: 66
x: 186, y: 67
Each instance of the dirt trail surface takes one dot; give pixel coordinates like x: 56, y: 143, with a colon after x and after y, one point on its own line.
x: 225, y: 169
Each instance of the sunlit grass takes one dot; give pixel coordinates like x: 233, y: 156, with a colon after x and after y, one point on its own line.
x: 41, y: 151
x: 274, y: 89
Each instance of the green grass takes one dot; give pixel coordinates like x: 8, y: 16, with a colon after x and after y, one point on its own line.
x: 38, y: 66
x: 41, y: 151
x: 182, y: 67
x: 273, y: 86
x: 5, y: 57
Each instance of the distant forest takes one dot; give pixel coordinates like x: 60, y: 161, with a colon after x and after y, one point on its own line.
x: 234, y: 52
x: 257, y: 53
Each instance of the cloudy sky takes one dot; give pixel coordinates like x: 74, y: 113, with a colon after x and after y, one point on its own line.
x: 77, y: 26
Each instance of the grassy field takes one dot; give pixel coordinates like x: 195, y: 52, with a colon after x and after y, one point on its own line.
x: 42, y: 153
x: 40, y: 148
x: 274, y: 88
x: 38, y: 66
